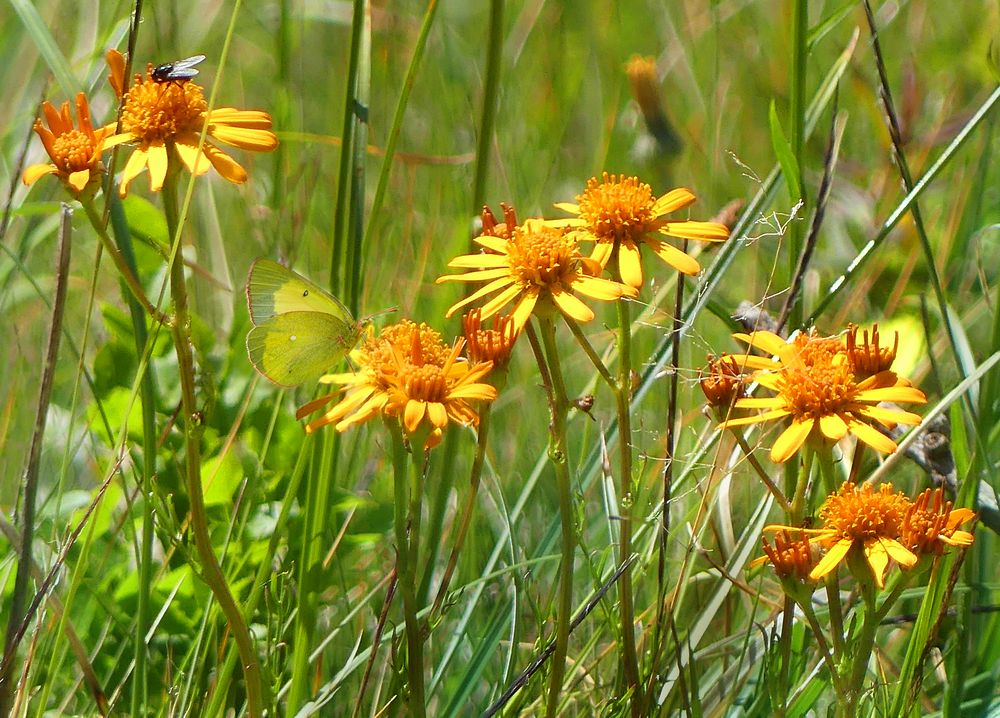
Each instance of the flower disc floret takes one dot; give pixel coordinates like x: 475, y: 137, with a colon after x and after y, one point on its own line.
x: 931, y: 524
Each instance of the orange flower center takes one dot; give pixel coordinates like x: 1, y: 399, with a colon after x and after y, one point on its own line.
x: 542, y: 256
x: 426, y: 383
x: 73, y: 151
x: 823, y: 384
x: 861, y: 514
x: 617, y: 208
x: 158, y: 111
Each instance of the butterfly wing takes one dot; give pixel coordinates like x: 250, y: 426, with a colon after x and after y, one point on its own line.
x: 273, y: 289
x: 296, y: 346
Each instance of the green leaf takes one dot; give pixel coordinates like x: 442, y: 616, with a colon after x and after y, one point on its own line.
x: 146, y: 222
x: 783, y: 151
x: 220, y: 477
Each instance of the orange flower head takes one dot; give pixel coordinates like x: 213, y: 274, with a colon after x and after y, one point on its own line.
x: 791, y: 557
x: 722, y: 382
x: 868, y: 357
x: 815, y: 386
x: 931, y: 524
x: 75, y: 152
x: 493, y: 227
x: 408, y: 373
x: 540, y: 268
x: 494, y: 343
x: 167, y: 119
x: 621, y: 213
x: 860, y: 518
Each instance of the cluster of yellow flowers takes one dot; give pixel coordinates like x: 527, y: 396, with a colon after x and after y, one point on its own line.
x: 882, y: 525
x: 538, y: 266
x: 158, y: 117
x: 832, y: 387
x: 829, y: 386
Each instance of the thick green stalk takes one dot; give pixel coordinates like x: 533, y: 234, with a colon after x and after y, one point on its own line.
x: 211, y: 571
x: 626, y: 611
x: 406, y: 543
x: 261, y: 579
x: 559, y: 408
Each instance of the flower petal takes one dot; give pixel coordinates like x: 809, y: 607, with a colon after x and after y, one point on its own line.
x: 873, y: 437
x: 33, y: 173
x: 791, y: 440
x: 225, y: 165
x: 133, y: 167
x: 672, y: 201
x: 158, y: 163
x: 630, y: 264
x: 831, y: 559
x: 704, y: 231
x: 479, y: 294
x: 833, y: 427
x: 681, y: 261
x: 571, y: 306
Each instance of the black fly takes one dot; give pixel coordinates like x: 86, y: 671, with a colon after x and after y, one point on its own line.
x: 177, y: 71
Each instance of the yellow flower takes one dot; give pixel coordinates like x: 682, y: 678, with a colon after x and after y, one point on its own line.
x: 815, y: 386
x: 620, y: 213
x: 168, y: 117
x: 862, y: 519
x: 75, y: 153
x: 931, y: 524
x: 536, y: 266
x: 406, y: 372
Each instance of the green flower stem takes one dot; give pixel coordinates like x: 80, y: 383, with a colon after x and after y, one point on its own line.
x: 261, y: 579
x: 862, y: 647
x: 120, y: 263
x: 559, y: 408
x: 406, y: 497
x: 211, y: 571
x: 626, y: 610
x: 801, y: 483
x: 824, y: 648
x: 836, y: 613
x: 826, y: 470
x: 785, y: 648
x: 466, y: 520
